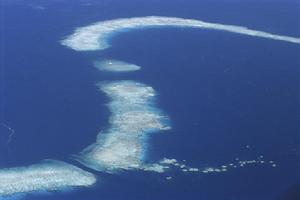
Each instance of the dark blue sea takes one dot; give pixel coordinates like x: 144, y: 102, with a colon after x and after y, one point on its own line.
x: 228, y: 96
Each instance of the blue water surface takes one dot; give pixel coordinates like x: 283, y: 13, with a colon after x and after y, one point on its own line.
x: 223, y: 93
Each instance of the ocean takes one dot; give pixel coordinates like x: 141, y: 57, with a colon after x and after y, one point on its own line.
x: 228, y: 96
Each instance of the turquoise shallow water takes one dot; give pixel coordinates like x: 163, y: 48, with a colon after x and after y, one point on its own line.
x: 222, y: 92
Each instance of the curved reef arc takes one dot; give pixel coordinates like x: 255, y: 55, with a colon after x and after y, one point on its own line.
x: 96, y: 36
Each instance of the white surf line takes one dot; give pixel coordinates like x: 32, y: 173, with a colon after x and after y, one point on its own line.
x: 49, y: 175
x: 96, y: 36
x: 11, y: 134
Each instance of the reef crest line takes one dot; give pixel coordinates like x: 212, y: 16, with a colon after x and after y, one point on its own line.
x: 96, y: 36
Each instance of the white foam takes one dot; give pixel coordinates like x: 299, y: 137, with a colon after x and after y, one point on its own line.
x: 116, y: 66
x: 134, y: 116
x: 46, y: 176
x: 96, y: 36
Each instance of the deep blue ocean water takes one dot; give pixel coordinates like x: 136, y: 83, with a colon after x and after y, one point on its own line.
x: 222, y: 92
